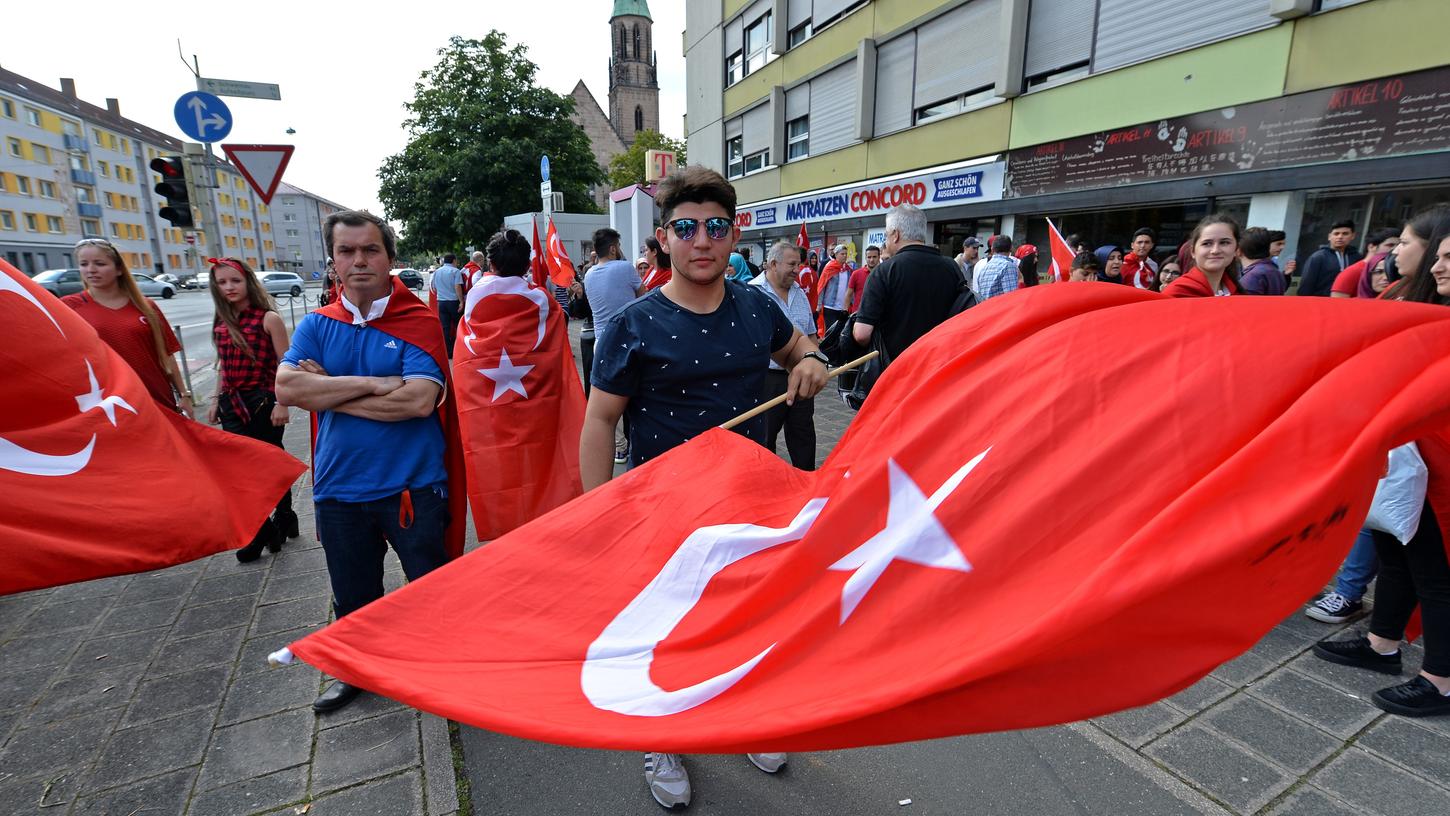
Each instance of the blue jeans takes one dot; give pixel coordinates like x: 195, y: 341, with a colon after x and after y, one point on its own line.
x: 1358, y: 568
x: 355, y: 537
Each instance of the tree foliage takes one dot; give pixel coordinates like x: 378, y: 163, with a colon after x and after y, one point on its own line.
x: 477, y: 126
x: 628, y: 167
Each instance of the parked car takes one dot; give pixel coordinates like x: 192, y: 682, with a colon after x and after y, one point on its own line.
x: 167, y: 277
x: 60, y: 282
x: 150, y: 286
x: 411, y: 278
x: 281, y: 283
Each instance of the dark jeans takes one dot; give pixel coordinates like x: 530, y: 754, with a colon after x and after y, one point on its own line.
x: 355, y: 537
x: 1415, y: 573
x: 586, y: 359
x: 448, y: 313
x: 798, y: 420
x: 259, y: 427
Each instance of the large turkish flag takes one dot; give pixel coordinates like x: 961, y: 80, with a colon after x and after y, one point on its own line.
x: 520, y: 404
x: 97, y: 478
x: 1015, y: 531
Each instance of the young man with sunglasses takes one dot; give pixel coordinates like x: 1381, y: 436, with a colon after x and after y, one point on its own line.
x: 685, y: 358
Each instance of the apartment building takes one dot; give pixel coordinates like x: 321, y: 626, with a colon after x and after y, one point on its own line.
x: 1105, y: 115
x: 70, y: 170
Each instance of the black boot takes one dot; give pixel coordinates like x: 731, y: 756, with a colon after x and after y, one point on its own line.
x: 265, y: 537
x: 286, y: 521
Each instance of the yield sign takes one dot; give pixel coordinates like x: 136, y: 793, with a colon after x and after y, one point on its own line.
x: 261, y: 165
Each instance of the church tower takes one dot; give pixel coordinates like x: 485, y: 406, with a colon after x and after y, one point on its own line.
x: 634, y: 92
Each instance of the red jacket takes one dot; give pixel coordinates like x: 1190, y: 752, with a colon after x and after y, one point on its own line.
x: 1194, y: 283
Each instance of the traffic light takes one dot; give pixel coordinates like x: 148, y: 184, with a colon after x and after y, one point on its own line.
x: 173, y: 187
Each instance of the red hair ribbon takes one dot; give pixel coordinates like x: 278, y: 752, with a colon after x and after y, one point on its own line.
x: 229, y: 262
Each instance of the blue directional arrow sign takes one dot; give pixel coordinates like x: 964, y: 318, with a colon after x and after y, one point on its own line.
x: 544, y: 168
x: 203, y: 117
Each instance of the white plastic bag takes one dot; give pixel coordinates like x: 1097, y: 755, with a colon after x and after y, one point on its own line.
x: 1400, y: 496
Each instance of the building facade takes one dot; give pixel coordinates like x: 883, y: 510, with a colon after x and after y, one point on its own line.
x: 73, y: 170
x: 1104, y: 115
x: 297, y: 217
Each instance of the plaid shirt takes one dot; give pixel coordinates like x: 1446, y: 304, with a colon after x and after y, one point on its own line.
x: 998, y: 277
x: 240, y: 373
x: 797, y: 308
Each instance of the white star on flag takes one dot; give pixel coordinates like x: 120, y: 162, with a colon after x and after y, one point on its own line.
x: 912, y: 533
x: 507, y: 376
x: 96, y: 398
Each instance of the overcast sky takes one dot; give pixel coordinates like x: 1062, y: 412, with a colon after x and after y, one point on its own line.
x: 345, y: 69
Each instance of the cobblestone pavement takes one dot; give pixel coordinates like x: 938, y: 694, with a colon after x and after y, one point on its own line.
x: 150, y: 694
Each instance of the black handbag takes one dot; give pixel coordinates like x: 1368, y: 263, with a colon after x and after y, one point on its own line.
x: 855, y: 385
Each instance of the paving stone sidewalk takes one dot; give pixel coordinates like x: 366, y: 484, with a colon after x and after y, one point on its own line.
x: 150, y: 694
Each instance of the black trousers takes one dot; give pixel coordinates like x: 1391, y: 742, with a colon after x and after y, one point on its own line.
x: 448, y: 313
x: 1410, y: 574
x: 833, y: 316
x: 799, y: 422
x: 586, y: 359
x: 259, y: 427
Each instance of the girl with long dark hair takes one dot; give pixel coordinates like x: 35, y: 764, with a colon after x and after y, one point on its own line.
x: 129, y: 322
x: 250, y: 339
x: 1215, y: 244
x: 659, y: 261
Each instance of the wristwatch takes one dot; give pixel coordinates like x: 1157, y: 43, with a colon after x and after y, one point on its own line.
x: 818, y: 356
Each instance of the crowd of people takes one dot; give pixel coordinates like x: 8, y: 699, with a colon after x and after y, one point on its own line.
x: 692, y: 334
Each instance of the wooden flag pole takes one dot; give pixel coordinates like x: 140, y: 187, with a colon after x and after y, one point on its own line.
x: 763, y: 407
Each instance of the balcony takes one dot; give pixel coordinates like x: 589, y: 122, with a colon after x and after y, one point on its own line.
x: 88, y: 210
x: 77, y: 143
x: 85, y: 177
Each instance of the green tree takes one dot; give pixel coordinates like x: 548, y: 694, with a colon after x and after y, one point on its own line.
x: 628, y: 167
x: 477, y: 126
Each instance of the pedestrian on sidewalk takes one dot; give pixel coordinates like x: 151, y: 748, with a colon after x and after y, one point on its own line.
x: 778, y: 281
x: 371, y: 367
x: 1417, y: 573
x: 685, y: 358
x: 130, y: 323
x: 448, y: 288
x: 250, y: 339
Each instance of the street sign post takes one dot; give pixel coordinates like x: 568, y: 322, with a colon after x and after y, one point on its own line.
x: 544, y: 168
x: 236, y: 87
x: 203, y: 117
x: 260, y: 165
x: 546, y: 195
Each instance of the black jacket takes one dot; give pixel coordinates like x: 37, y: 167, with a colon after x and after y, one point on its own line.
x: 1322, y: 268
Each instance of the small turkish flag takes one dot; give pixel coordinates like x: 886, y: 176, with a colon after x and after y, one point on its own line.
x: 561, y: 269
x: 520, y: 404
x: 98, y: 478
x: 1061, y: 253
x: 537, y: 270
x: 966, y: 560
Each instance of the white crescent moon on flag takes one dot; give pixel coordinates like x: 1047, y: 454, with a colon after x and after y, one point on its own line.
x: 500, y: 285
x: 9, y: 284
x: 616, y: 672
x: 23, y: 460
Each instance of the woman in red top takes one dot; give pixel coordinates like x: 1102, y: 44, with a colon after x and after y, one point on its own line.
x: 1215, y: 243
x: 659, y: 271
x: 250, y: 340
x: 129, y: 322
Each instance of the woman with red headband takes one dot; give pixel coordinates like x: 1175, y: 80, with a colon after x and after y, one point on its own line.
x: 250, y: 340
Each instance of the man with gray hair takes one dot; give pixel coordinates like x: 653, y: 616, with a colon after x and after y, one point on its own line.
x: 778, y: 281
x: 910, y: 293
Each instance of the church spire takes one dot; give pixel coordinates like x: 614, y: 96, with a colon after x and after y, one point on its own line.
x: 631, y: 8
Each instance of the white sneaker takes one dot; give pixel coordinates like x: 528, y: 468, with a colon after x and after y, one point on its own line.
x: 1334, y: 608
x: 669, y: 782
x: 770, y: 763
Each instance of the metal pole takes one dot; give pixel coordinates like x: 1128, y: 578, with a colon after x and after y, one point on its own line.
x: 292, y: 308
x: 185, y: 364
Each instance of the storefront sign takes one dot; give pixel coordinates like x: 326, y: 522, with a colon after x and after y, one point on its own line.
x: 940, y: 188
x: 1389, y: 117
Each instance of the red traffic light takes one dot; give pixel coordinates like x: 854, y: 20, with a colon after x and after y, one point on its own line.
x: 169, y: 166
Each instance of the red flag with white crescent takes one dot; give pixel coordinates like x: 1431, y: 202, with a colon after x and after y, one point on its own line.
x: 520, y: 404
x: 537, y: 269
x: 921, y: 584
x: 561, y: 269
x: 98, y: 478
x: 1061, y: 253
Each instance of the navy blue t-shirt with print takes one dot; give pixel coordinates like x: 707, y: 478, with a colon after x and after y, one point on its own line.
x: 685, y: 373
